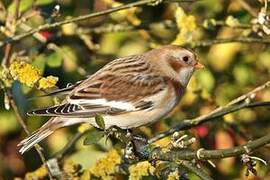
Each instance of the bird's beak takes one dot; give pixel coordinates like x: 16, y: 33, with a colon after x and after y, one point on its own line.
x: 198, y: 66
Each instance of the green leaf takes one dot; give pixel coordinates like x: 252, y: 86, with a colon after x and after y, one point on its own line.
x: 100, y: 121
x: 39, y: 62
x: 93, y: 137
x: 243, y: 74
x: 55, y: 59
x: 26, y: 4
x: 206, y: 80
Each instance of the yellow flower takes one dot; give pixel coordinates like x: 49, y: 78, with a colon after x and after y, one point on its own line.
x: 84, y: 127
x: 173, y: 176
x: 5, y: 78
x: 24, y: 72
x: 128, y: 14
x: 229, y: 118
x: 231, y: 21
x: 141, y: 169
x: 86, y: 175
x: 164, y: 142
x: 186, y: 25
x: 40, y: 173
x: 106, y: 167
x: 48, y: 82
x: 70, y: 28
x: 71, y: 169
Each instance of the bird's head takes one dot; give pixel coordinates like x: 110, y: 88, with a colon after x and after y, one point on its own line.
x: 178, y: 63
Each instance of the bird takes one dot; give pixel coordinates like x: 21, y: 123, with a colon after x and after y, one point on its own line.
x: 127, y: 92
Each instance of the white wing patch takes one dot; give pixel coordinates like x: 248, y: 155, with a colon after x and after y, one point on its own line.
x: 103, y: 102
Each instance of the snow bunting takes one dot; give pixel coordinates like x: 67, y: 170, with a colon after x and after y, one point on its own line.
x: 128, y: 92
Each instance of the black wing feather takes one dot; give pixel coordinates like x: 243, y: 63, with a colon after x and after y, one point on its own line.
x: 74, y: 110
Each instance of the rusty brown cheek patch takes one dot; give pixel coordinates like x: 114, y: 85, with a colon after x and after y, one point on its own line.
x: 175, y: 65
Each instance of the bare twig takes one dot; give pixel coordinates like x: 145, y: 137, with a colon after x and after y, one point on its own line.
x: 7, y: 53
x: 126, y: 6
x: 79, y: 18
x: 9, y: 46
x: 230, y: 40
x: 67, y: 147
x: 247, y: 7
x: 195, y: 169
x: 236, y: 104
x: 239, y: 25
x: 188, y: 154
x: 22, y: 123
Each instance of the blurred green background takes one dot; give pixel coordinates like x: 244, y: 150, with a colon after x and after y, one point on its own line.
x: 72, y: 51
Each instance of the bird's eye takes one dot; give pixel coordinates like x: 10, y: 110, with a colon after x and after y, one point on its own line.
x: 185, y: 58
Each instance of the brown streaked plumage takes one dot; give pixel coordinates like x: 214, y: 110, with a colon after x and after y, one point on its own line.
x: 128, y: 92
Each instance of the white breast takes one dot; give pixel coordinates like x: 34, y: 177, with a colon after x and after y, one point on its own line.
x: 164, y: 102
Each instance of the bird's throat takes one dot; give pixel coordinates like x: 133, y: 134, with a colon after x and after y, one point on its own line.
x: 185, y: 74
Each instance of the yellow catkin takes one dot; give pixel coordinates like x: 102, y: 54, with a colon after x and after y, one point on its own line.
x: 106, y: 167
x: 141, y: 169
x: 24, y: 72
x: 47, y: 82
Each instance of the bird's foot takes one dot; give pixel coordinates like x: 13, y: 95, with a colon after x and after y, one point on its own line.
x: 120, y: 134
x: 134, y: 144
x: 130, y: 153
x: 135, y: 147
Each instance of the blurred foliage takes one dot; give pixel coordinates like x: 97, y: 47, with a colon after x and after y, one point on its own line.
x: 68, y: 53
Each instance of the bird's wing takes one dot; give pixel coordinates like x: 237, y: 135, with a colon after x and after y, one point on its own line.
x: 117, y: 88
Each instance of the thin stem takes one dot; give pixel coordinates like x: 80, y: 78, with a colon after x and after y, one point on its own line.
x: 9, y: 46
x: 5, y: 63
x: 67, y: 147
x: 7, y: 53
x: 230, y: 40
x: 22, y: 123
x: 195, y: 169
x: 240, y: 25
x: 247, y: 7
x: 77, y: 19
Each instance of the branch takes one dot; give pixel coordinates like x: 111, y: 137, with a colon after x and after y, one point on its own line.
x: 80, y: 18
x: 230, y: 40
x: 247, y: 7
x: 13, y: 27
x: 188, y: 154
x: 238, y: 25
x: 241, y: 102
x: 196, y: 170
x: 5, y: 63
x: 67, y: 147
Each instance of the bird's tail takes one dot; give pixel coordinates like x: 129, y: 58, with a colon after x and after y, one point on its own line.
x: 47, y: 129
